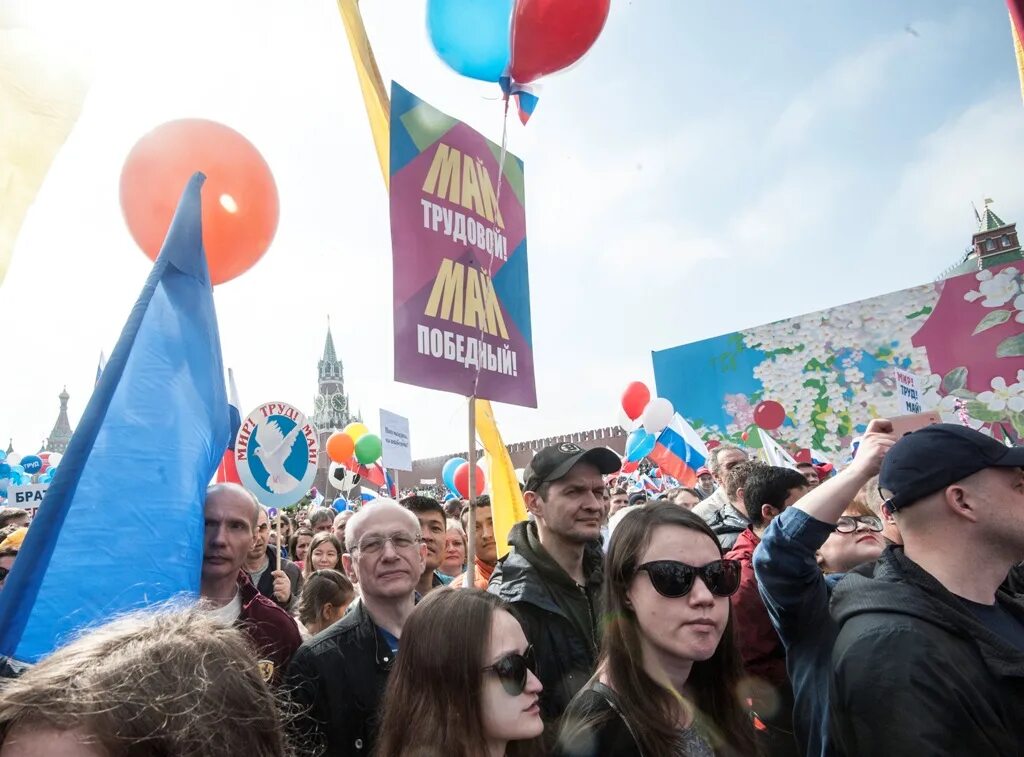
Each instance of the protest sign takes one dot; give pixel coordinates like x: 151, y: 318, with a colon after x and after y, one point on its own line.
x: 908, y: 391
x: 458, y: 235
x: 276, y: 453
x: 396, y: 450
x: 27, y: 496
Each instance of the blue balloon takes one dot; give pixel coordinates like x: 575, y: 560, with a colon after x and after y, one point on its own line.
x: 5, y: 470
x: 472, y: 36
x: 32, y: 464
x: 3, y: 455
x: 448, y: 473
x: 18, y: 468
x: 16, y: 478
x: 639, y: 445
x: 340, y: 504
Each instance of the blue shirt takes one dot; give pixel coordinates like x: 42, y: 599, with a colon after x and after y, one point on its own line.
x: 797, y: 594
x: 390, y: 638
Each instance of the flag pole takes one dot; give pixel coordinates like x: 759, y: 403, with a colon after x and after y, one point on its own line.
x: 471, y: 520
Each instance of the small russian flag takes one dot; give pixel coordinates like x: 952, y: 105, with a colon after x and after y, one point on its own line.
x: 680, y: 451
x: 227, y: 471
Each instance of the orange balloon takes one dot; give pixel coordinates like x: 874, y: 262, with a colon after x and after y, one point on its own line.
x: 340, y: 447
x: 240, y: 205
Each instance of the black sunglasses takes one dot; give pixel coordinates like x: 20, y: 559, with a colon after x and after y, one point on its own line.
x: 512, y: 669
x: 671, y: 578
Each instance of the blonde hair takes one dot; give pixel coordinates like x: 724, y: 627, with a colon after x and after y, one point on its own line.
x: 169, y: 682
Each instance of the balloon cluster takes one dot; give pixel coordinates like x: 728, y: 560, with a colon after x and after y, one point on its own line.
x: 348, y: 449
x: 17, y: 470
x: 455, y: 475
x: 643, y: 418
x: 514, y: 42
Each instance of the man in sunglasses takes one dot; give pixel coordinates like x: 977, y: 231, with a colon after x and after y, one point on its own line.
x: 338, y: 676
x: 552, y: 577
x: 929, y: 657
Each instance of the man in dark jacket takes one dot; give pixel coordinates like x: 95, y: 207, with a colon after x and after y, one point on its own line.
x: 337, y: 678
x: 552, y: 577
x: 930, y: 654
x: 281, y: 585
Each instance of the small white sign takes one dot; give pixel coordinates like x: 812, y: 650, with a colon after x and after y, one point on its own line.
x: 394, y: 436
x: 27, y: 496
x: 908, y: 392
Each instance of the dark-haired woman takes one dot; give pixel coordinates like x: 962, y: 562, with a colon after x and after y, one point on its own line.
x: 464, y: 684
x: 326, y: 595
x: 324, y: 554
x: 668, y: 673
x: 298, y: 546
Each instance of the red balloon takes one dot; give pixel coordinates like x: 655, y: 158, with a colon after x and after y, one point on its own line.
x: 635, y: 399
x: 548, y: 35
x: 803, y: 456
x: 240, y: 205
x: 745, y: 436
x: 461, y: 481
x: 769, y: 415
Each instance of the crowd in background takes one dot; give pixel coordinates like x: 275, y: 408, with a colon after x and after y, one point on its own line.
x: 763, y: 611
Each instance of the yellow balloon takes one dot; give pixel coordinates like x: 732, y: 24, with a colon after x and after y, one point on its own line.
x: 356, y: 431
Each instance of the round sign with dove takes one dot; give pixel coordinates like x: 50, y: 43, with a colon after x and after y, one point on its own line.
x: 276, y: 453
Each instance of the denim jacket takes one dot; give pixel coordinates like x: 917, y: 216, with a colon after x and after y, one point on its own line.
x: 797, y: 595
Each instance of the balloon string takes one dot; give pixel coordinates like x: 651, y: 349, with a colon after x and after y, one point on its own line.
x: 497, y: 213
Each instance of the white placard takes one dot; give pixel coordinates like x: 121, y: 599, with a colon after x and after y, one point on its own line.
x: 394, y: 437
x: 27, y: 496
x: 908, y: 392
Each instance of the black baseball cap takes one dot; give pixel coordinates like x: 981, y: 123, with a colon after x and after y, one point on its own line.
x: 938, y: 456
x: 552, y: 463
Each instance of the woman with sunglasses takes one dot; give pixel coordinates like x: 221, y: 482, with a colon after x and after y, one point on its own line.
x: 463, y: 685
x: 668, y: 672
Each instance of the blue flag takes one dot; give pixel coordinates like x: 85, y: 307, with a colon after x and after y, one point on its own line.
x: 121, y: 526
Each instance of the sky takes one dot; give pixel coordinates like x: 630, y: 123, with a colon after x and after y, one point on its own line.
x: 707, y: 167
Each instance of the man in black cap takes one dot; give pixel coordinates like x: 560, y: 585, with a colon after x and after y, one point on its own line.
x: 930, y: 653
x: 552, y: 577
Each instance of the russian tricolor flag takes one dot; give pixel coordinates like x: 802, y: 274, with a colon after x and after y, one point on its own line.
x: 680, y: 452
x: 227, y: 471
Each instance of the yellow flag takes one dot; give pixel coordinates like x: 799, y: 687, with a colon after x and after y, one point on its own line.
x: 375, y: 95
x: 507, y: 506
x: 41, y: 96
x: 1018, y: 50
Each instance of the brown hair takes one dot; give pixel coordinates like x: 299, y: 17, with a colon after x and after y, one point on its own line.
x: 318, y: 539
x: 651, y: 708
x: 152, y: 683
x: 293, y: 542
x: 437, y: 679
x: 736, y: 477
x: 323, y: 587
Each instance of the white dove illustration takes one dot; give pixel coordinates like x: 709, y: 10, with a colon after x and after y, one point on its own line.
x: 273, y: 451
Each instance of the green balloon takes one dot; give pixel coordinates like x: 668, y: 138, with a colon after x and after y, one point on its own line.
x: 368, y: 449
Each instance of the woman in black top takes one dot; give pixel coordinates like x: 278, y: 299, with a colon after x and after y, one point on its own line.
x: 667, y: 680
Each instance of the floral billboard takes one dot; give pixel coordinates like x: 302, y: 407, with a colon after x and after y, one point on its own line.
x: 833, y: 370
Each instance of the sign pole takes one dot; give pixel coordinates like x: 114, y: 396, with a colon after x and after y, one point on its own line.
x: 277, y: 524
x: 471, y: 520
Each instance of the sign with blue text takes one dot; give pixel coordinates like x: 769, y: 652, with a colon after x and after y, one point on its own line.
x: 276, y: 454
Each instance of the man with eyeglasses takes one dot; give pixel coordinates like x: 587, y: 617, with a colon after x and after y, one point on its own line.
x: 796, y: 592
x: 929, y: 657
x: 552, y: 578
x: 338, y: 676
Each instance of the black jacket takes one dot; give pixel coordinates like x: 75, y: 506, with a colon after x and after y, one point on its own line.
x: 559, y: 617
x: 266, y: 584
x: 337, y: 679
x: 915, y: 673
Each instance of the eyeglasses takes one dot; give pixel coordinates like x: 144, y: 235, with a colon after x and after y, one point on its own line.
x: 672, y: 579
x: 512, y: 671
x: 373, y: 545
x: 847, y: 524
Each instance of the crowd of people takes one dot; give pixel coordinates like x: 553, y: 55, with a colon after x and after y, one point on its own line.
x: 764, y: 611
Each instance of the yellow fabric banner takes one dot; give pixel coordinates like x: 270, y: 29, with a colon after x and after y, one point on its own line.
x: 41, y: 96
x: 375, y: 95
x: 507, y: 505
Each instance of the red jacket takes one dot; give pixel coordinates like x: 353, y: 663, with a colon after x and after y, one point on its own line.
x: 270, y: 629
x: 759, y: 645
